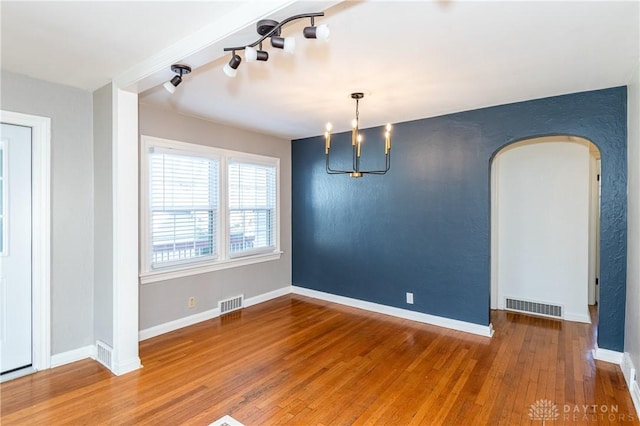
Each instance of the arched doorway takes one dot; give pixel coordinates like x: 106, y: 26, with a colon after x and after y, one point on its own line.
x: 545, y: 227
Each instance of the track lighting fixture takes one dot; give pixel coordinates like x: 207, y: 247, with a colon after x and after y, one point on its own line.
x: 356, y: 144
x: 268, y: 28
x: 177, y: 79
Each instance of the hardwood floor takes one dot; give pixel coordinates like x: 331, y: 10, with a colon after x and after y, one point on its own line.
x: 300, y: 361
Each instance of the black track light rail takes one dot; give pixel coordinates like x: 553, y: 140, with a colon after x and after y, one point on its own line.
x: 275, y: 31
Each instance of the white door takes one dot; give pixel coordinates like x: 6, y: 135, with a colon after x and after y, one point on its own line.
x: 15, y: 248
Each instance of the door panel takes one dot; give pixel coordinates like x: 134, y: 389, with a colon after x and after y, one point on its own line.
x: 15, y: 249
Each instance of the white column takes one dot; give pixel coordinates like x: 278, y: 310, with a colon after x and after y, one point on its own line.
x: 125, y: 232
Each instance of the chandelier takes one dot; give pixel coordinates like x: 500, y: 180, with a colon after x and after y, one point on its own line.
x: 356, y: 144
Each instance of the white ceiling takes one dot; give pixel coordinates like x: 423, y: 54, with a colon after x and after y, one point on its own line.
x: 412, y: 59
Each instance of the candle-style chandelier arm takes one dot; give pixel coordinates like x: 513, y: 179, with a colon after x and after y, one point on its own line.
x: 276, y: 30
x: 333, y: 171
x: 379, y: 172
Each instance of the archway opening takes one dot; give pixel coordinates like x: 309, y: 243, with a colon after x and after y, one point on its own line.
x: 545, y: 209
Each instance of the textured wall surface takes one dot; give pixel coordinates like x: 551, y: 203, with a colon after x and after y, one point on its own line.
x: 424, y: 227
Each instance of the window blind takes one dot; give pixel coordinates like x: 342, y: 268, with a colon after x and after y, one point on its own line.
x: 252, y: 207
x: 184, y: 208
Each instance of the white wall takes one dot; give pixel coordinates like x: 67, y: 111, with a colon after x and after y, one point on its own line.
x: 632, y: 316
x: 70, y: 111
x: 543, y: 226
x: 166, y: 301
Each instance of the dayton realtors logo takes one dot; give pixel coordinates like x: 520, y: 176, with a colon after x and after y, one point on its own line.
x: 546, y: 410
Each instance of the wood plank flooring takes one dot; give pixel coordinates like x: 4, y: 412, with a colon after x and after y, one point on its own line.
x: 300, y: 361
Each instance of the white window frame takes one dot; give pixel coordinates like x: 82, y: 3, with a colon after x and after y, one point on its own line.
x: 4, y: 147
x: 199, y: 266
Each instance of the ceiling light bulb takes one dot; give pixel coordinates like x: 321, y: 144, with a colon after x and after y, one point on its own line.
x: 169, y: 87
x: 231, y: 69
x: 289, y: 44
x: 388, y: 127
x: 250, y: 54
x: 230, y: 72
x: 172, y: 84
x: 354, y: 123
x: 322, y: 32
x: 359, y: 138
x: 329, y: 127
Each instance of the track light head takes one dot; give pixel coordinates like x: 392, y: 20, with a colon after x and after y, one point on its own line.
x: 321, y: 32
x: 179, y: 69
x: 231, y: 69
x: 288, y: 44
x: 251, y: 54
x: 171, y: 85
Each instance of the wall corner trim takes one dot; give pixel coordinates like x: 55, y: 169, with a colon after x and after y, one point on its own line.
x: 126, y: 366
x: 607, y: 355
x: 467, y: 327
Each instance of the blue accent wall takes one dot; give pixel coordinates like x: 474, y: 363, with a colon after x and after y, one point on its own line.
x: 424, y: 227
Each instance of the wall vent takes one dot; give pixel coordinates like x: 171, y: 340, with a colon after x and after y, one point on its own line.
x: 232, y: 304
x: 544, y: 309
x: 103, y: 354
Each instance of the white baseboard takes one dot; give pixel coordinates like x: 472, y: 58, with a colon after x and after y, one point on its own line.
x: 89, y: 351
x: 631, y: 377
x: 167, y: 327
x: 267, y: 296
x: 584, y: 318
x: 481, y: 330
x: 74, y: 355
x: 607, y: 355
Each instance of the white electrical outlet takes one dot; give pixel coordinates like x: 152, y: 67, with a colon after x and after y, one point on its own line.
x: 192, y: 302
x: 410, y: 298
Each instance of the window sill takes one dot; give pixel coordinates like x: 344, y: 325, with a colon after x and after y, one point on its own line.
x: 185, y: 271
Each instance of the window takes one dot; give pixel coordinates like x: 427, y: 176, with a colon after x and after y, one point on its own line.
x: 205, y: 209
x: 184, y: 208
x: 252, y: 207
